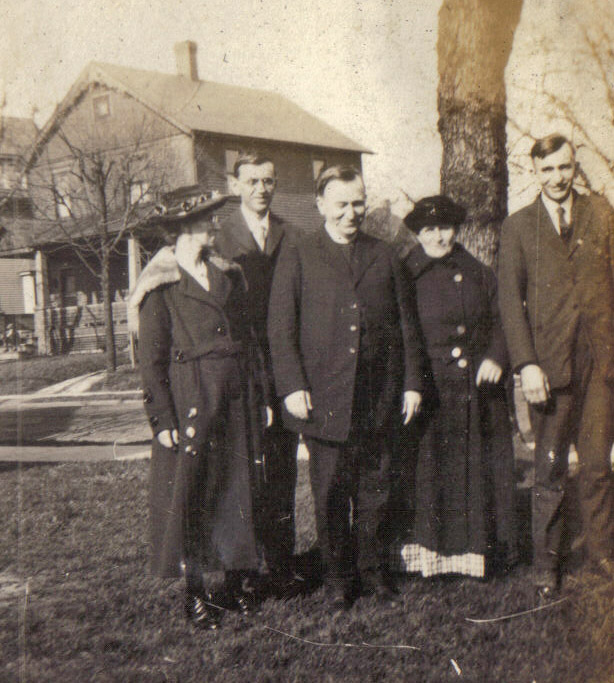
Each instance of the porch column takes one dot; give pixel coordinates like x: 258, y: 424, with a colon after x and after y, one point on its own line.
x: 134, y: 262
x: 41, y: 279
x: 134, y: 270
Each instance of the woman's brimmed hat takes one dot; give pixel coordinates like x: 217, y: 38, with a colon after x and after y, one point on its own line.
x: 185, y: 205
x: 437, y: 210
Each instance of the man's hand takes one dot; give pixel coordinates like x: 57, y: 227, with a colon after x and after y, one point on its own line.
x: 535, y: 385
x: 489, y: 372
x: 411, y: 405
x: 298, y: 404
x: 168, y: 438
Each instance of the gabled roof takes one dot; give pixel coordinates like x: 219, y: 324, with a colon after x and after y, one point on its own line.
x: 196, y: 105
x: 16, y: 135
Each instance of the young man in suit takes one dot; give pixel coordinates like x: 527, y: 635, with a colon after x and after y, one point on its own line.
x: 347, y: 361
x: 252, y: 237
x: 556, y: 295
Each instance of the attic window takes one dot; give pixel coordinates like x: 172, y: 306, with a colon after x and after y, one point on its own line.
x: 102, y: 106
x: 231, y: 155
x: 317, y: 165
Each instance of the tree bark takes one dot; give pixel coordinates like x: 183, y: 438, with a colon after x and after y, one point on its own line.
x: 474, y: 44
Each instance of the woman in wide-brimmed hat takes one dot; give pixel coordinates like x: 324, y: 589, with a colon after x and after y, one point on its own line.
x: 464, y: 508
x: 203, y: 400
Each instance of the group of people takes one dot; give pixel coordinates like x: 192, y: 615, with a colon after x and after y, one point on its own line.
x: 394, y: 371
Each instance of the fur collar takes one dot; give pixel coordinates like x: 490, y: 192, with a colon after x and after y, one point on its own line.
x: 163, y: 269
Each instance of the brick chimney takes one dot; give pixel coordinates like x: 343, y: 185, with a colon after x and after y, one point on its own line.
x: 185, y: 56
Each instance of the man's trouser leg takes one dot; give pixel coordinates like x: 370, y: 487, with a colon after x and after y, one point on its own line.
x: 333, y: 477
x: 372, y: 506
x: 596, y: 486
x: 551, y: 424
x: 274, y: 506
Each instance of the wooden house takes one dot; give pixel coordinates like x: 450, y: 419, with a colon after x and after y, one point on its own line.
x: 161, y: 132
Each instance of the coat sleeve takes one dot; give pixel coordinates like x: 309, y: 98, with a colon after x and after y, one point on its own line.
x: 154, y: 359
x: 496, y: 349
x: 512, y: 296
x: 413, y: 346
x: 284, y: 322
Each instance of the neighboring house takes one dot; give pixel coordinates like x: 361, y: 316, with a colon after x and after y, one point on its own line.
x: 174, y: 130
x: 17, y: 296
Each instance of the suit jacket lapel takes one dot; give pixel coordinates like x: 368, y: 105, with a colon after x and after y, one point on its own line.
x: 580, y: 220
x: 364, y: 255
x: 547, y: 235
x: 276, y: 232
x: 220, y: 287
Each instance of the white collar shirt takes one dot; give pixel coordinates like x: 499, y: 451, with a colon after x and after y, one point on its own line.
x: 259, y: 227
x: 553, y: 207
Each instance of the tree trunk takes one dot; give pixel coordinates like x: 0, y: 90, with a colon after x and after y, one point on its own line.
x: 474, y: 44
x: 107, y: 305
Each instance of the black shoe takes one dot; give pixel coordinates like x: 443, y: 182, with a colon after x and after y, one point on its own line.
x: 602, y: 569
x: 340, y: 595
x: 286, y: 585
x: 547, y: 584
x: 379, y: 584
x: 201, y: 611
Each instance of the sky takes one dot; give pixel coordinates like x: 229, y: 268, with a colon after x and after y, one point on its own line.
x: 366, y: 67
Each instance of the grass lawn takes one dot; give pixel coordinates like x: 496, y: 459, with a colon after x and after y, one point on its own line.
x: 30, y: 374
x: 76, y: 604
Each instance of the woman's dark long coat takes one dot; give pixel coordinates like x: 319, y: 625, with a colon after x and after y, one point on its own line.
x: 194, y: 355
x: 464, y: 477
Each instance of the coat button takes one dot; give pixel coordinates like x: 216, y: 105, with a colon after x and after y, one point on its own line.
x: 220, y: 329
x: 461, y: 329
x: 462, y: 363
x: 190, y: 432
x: 179, y: 356
x: 352, y: 350
x: 456, y: 352
x: 193, y: 412
x: 353, y: 328
x: 147, y: 396
x: 458, y: 277
x: 354, y: 306
x: 153, y: 421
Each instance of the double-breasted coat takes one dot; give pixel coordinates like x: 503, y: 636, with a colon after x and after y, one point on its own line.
x: 464, y: 476
x: 201, y: 378
x: 345, y: 332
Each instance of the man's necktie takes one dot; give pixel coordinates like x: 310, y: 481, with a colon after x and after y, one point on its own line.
x: 262, y: 234
x: 564, y: 227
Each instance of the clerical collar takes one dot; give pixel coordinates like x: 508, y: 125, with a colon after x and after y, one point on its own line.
x: 338, y: 239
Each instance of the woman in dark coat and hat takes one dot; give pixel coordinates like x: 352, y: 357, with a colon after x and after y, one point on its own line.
x: 201, y: 397
x: 464, y: 507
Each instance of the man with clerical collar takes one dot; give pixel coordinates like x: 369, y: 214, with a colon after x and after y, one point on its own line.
x: 252, y: 237
x: 556, y: 296
x: 346, y: 357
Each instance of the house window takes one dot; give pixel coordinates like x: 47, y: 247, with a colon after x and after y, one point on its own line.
x: 316, y: 166
x: 102, y: 106
x: 8, y: 173
x: 63, y: 204
x: 139, y: 192
x: 231, y: 156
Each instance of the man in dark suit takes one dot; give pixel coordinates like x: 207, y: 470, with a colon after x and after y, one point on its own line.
x: 556, y: 295
x: 347, y: 361
x: 252, y: 237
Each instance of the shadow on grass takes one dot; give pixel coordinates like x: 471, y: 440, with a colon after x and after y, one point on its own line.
x: 27, y: 426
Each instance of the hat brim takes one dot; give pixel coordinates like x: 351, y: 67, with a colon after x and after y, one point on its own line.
x: 174, y: 219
